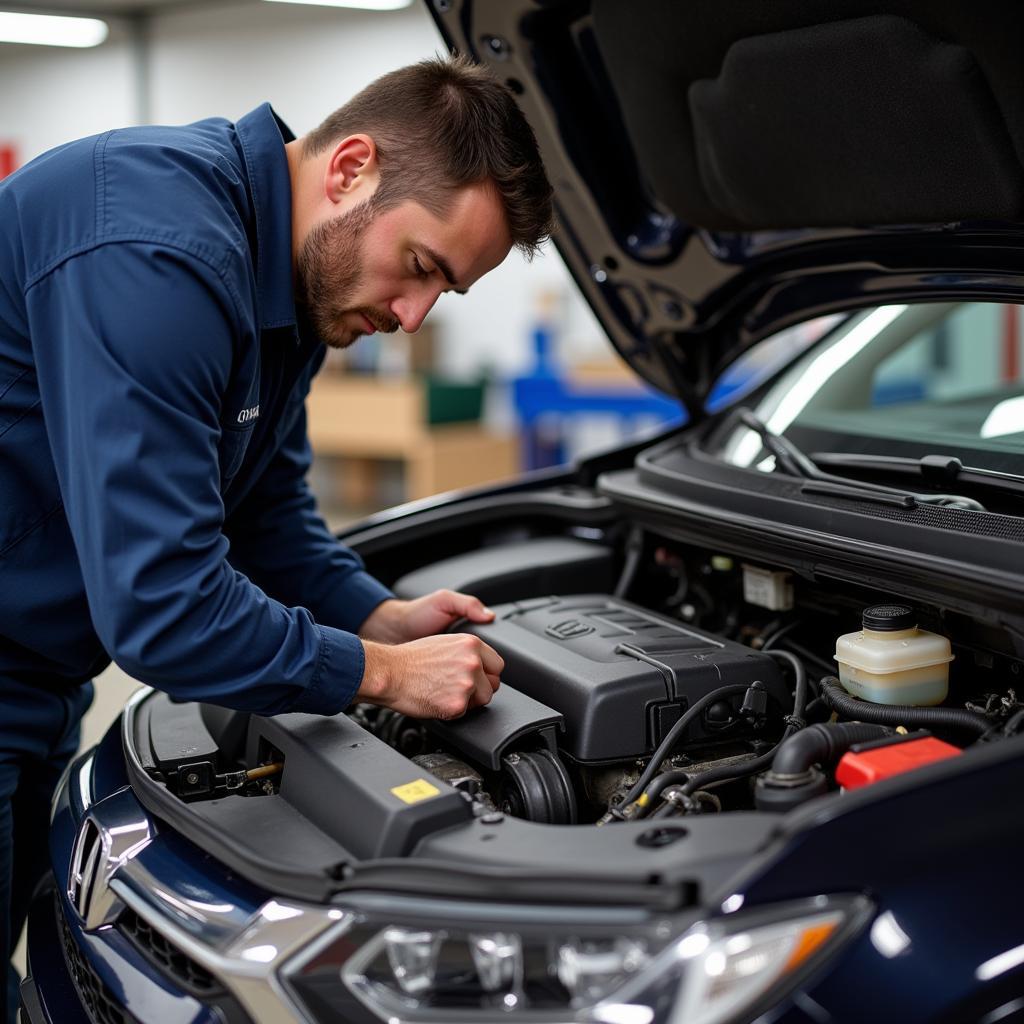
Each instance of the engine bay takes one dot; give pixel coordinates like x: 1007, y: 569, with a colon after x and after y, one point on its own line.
x: 711, y: 689
x: 632, y: 714
x: 609, y: 684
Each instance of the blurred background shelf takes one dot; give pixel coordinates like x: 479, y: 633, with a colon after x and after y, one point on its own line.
x: 366, y: 419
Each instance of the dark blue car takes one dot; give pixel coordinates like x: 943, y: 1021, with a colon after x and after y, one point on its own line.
x: 757, y: 751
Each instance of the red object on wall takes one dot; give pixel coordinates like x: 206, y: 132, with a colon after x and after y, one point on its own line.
x: 867, y: 766
x: 1011, y: 344
x: 8, y: 159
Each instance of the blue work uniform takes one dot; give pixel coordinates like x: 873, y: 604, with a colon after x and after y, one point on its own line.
x: 153, y: 450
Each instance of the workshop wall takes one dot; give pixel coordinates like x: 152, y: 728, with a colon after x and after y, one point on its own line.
x: 224, y: 59
x: 50, y: 95
x: 309, y: 60
x: 217, y: 58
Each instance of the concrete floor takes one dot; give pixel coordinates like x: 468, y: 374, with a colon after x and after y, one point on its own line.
x: 113, y: 688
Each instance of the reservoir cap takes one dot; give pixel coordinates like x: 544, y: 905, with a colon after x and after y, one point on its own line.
x: 863, y: 765
x: 889, y: 617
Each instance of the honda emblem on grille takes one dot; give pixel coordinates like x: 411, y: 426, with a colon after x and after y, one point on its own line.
x: 85, y: 863
x: 112, y: 833
x: 569, y: 629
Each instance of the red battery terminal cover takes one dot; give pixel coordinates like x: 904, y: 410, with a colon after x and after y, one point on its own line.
x: 872, y: 762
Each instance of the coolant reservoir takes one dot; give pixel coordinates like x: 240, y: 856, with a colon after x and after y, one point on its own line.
x: 891, y: 661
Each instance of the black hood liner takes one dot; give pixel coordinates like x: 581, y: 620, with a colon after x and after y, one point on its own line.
x: 760, y: 116
x: 723, y: 171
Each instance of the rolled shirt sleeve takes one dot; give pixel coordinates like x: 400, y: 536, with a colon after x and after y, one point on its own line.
x: 133, y: 345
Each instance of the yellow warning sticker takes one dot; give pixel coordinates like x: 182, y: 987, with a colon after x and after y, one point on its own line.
x: 414, y: 792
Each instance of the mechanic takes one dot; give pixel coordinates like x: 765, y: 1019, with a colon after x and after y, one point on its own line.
x: 166, y: 295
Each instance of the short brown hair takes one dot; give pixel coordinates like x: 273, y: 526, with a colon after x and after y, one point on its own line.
x: 439, y: 126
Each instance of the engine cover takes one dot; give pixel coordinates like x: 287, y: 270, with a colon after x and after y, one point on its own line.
x: 619, y: 674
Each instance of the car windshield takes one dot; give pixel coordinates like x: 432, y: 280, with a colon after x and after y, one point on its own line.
x: 900, y: 380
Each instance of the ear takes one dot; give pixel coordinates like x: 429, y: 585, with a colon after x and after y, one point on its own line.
x: 352, y: 172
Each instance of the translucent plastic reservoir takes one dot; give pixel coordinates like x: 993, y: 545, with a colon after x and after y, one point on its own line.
x: 886, y: 664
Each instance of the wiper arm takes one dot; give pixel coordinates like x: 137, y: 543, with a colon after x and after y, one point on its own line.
x: 787, y: 455
x: 790, y: 459
x: 944, y: 470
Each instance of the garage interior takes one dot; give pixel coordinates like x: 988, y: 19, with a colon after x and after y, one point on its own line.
x: 445, y: 399
x: 726, y: 557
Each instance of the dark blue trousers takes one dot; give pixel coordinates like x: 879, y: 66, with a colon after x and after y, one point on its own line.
x: 39, y: 729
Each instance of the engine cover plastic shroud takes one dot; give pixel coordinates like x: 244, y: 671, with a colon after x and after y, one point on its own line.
x: 619, y: 674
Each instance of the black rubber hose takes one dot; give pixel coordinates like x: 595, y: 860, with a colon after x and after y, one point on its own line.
x: 690, y: 784
x: 897, y: 714
x: 666, y: 745
x: 1013, y: 723
x: 826, y: 667
x: 662, y: 782
x: 738, y: 771
x: 794, y: 723
x: 634, y: 551
x: 729, y: 772
x: 822, y: 744
x: 817, y: 705
x: 799, y: 680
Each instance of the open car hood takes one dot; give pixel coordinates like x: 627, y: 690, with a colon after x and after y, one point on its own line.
x: 722, y: 171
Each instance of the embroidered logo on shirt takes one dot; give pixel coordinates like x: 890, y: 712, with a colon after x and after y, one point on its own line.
x: 247, y: 415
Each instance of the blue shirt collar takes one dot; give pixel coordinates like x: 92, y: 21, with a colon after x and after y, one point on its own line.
x: 262, y: 135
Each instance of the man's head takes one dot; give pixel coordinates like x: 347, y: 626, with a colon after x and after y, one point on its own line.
x: 420, y: 184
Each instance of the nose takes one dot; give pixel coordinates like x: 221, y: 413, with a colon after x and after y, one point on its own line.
x: 411, y: 309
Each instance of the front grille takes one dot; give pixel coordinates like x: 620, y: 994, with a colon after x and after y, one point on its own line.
x: 97, y: 999
x: 167, y: 958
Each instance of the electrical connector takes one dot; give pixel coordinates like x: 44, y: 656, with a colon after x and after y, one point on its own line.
x: 755, y: 704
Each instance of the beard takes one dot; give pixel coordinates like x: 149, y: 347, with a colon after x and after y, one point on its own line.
x: 329, y: 273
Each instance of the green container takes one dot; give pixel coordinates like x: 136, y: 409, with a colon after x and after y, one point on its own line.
x: 453, y: 401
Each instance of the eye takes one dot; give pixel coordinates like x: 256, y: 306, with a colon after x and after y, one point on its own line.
x: 418, y: 269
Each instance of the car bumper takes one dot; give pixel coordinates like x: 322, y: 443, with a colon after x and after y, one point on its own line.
x: 48, y: 993
x: 74, y: 978
x: 138, y: 925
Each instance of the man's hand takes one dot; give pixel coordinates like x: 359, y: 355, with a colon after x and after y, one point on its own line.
x: 412, y: 670
x: 397, y: 622
x: 433, y: 677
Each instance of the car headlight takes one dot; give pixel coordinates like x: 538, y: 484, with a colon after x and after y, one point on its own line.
x: 543, y: 971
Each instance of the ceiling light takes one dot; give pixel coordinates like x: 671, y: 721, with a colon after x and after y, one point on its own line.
x: 51, y: 30
x: 359, y: 5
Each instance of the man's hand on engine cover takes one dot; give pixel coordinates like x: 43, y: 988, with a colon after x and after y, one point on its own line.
x: 396, y: 622
x: 410, y: 669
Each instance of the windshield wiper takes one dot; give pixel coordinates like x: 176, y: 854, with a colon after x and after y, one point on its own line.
x: 787, y: 455
x: 790, y: 459
x: 940, y: 470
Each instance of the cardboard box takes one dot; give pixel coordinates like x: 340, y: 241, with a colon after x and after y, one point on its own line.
x: 366, y: 418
